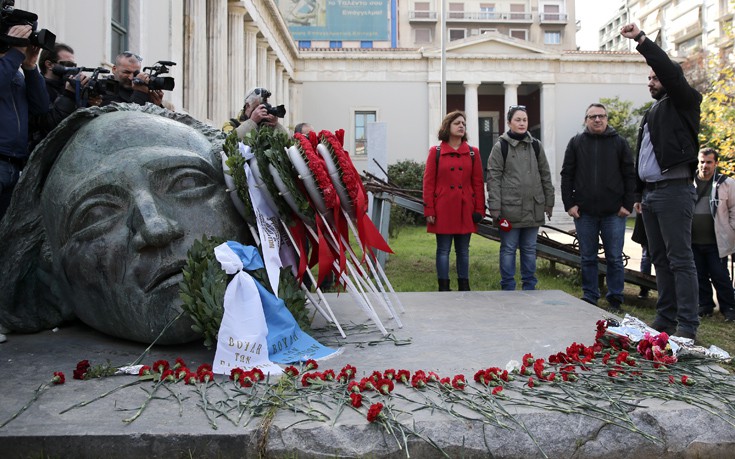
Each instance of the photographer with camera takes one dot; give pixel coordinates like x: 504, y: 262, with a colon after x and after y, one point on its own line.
x: 21, y: 93
x: 68, y: 89
x: 132, y: 84
x: 255, y: 113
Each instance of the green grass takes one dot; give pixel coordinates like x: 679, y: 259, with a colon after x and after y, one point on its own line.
x: 412, y: 269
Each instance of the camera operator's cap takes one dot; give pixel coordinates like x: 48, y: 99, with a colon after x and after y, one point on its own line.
x: 257, y: 94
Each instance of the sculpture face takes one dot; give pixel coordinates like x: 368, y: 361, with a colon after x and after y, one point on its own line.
x: 124, y: 202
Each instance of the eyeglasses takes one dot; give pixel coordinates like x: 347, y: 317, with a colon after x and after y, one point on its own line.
x: 67, y: 63
x: 596, y: 117
x: 519, y: 107
x: 131, y: 54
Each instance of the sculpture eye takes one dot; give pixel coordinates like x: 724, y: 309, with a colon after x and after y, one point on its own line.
x: 95, y: 218
x: 190, y: 183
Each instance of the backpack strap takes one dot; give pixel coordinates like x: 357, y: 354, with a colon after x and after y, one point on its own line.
x: 504, y: 148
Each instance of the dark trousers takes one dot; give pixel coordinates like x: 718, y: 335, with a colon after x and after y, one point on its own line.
x: 712, y: 271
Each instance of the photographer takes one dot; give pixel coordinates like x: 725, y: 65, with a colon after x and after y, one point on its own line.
x: 66, y: 91
x: 20, y: 94
x: 256, y: 112
x: 132, y: 84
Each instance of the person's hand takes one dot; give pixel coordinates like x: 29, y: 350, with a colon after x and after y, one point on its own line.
x: 82, y: 78
x: 630, y: 31
x: 20, y: 31
x: 431, y: 220
x: 623, y: 212
x: 143, y: 79
x: 476, y: 217
x: 548, y: 211
x: 638, y: 207
x: 573, y: 212
x: 94, y: 101
x: 156, y: 97
x: 495, y: 214
x: 31, y: 60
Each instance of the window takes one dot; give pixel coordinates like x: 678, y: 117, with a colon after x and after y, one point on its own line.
x: 304, y: 43
x: 519, y: 33
x: 335, y: 44
x: 551, y: 13
x: 362, y: 118
x: 366, y: 44
x: 487, y: 11
x: 421, y: 10
x: 119, y: 24
x: 517, y: 11
x: 422, y: 35
x: 552, y: 38
x: 456, y: 34
x: 456, y: 11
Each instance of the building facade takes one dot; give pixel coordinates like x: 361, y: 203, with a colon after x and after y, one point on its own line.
x: 224, y: 48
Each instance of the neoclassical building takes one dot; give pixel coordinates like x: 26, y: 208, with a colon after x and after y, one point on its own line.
x: 224, y: 48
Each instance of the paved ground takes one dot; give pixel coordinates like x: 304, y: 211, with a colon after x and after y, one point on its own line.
x: 449, y: 332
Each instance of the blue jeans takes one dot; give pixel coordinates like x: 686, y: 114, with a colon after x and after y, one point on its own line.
x: 667, y: 214
x: 461, y: 250
x: 712, y: 270
x: 611, y: 229
x: 510, y: 242
x: 9, y: 175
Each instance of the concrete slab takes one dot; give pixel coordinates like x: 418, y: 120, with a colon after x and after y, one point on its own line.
x: 449, y: 333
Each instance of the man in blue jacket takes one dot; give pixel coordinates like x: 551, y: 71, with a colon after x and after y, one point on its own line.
x: 21, y: 93
x: 667, y: 159
x: 597, y: 186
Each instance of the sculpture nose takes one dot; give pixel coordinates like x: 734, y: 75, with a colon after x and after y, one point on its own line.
x: 151, y: 227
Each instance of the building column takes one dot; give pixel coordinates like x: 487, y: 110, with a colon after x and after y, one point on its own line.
x: 262, y: 64
x: 217, y: 46
x: 286, y: 100
x: 236, y: 57
x: 471, y: 110
x: 511, y: 95
x: 251, y: 56
x: 295, y: 103
x: 435, y: 114
x: 271, y: 75
x: 548, y: 136
x: 196, y: 76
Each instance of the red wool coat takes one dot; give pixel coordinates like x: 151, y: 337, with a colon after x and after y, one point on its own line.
x: 455, y: 191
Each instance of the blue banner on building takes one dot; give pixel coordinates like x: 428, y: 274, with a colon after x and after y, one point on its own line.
x: 337, y: 19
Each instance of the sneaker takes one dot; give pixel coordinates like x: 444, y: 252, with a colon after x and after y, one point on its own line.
x: 614, y: 306
x: 705, y: 313
x: 643, y: 293
x: 587, y: 300
x: 685, y: 334
x: 668, y: 329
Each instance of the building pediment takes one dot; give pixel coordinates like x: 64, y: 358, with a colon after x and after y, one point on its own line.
x: 490, y: 43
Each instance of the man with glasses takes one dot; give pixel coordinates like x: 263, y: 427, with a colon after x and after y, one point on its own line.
x: 597, y: 187
x: 667, y: 158
x: 253, y: 115
x: 125, y: 71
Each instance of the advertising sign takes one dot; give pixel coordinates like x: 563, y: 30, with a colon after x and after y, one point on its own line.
x: 337, y: 19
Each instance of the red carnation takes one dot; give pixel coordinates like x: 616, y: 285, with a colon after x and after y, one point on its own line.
x: 235, y: 373
x: 168, y: 376
x: 328, y: 375
x: 145, y: 370
x: 374, y: 412
x: 418, y: 380
x: 59, y: 378
x: 403, y: 376
x: 204, y: 368
x: 385, y: 386
x: 310, y: 365
x: 190, y: 378
x: 458, y: 382
x: 353, y: 386
x: 349, y: 370
x: 206, y: 375
x: 179, y: 363
x: 686, y: 380
x: 497, y: 390
x: 356, y: 399
x: 291, y: 371
x: 81, y: 370
x: 159, y: 366
x: 530, y: 382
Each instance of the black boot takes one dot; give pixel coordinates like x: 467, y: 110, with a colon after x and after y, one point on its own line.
x: 444, y: 285
x: 464, y: 285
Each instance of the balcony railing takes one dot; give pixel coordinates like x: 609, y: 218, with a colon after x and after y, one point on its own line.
x: 552, y: 17
x: 473, y: 16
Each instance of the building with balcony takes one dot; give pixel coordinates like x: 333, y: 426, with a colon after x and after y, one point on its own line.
x: 680, y: 27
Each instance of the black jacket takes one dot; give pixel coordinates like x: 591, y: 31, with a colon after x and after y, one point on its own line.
x: 673, y: 121
x: 597, y: 174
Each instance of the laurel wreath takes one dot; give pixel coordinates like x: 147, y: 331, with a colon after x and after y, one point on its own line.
x: 236, y: 163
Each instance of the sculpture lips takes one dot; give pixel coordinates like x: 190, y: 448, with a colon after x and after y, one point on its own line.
x: 164, y: 274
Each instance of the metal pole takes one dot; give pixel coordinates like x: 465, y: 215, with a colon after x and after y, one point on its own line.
x: 444, y: 59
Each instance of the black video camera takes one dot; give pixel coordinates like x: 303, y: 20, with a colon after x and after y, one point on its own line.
x: 278, y: 111
x: 9, y: 17
x: 158, y: 82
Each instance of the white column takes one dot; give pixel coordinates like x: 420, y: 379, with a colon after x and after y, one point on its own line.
x: 470, y: 109
x: 548, y: 138
x: 236, y: 57
x: 262, y: 64
x: 196, y: 74
x: 271, y: 75
x: 278, y: 85
x: 435, y: 113
x: 511, y: 95
x: 217, y: 46
x: 251, y: 57
x: 286, y: 100
x: 296, y: 104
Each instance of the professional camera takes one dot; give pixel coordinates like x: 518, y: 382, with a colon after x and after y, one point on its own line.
x: 10, y: 17
x: 155, y: 81
x: 278, y: 111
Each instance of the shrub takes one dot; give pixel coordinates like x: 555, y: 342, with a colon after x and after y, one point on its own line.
x: 409, y: 175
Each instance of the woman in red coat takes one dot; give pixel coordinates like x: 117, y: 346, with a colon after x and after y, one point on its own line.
x: 454, y: 198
